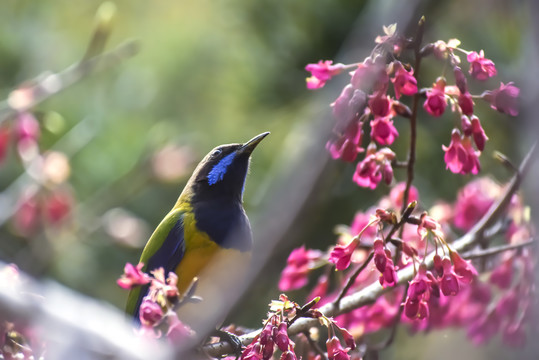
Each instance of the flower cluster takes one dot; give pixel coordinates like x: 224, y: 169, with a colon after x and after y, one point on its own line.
x: 369, y: 99
x: 157, y: 309
x: 448, y: 294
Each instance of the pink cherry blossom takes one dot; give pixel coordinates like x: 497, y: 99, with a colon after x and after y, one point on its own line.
x: 473, y: 201
x: 464, y: 269
x: 480, y: 67
x: 347, y: 146
x: 341, y: 255
x: 455, y: 154
x: 321, y: 73
x: 383, y: 131
x: 478, y: 134
x: 150, y: 312
x: 294, y: 275
x: 466, y: 103
x: 436, y: 102
x: 133, y: 276
x: 503, y: 99
x: 380, y: 104
x: 404, y: 81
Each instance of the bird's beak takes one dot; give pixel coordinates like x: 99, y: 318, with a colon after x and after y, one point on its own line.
x: 250, y: 145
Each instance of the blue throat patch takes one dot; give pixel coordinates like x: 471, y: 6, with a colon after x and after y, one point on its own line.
x: 219, y: 170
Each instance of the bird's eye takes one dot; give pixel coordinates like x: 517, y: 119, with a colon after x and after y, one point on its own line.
x: 216, y: 152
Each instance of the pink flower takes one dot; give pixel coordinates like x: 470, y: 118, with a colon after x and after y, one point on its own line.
x: 473, y: 201
x: 150, y: 312
x: 436, y: 102
x: 455, y: 154
x: 347, y: 146
x: 133, y: 276
x: 462, y: 268
x: 466, y: 125
x: 404, y: 81
x: 177, y: 332
x: 503, y: 99
x: 397, y: 193
x: 502, y: 276
x: 472, y: 165
x: 466, y: 103
x: 294, y: 275
x: 321, y: 73
x: 480, y: 67
x: 460, y: 80
x: 375, y: 167
x: 335, y: 349
x: 370, y: 75
x: 449, y: 283
x: 383, y: 131
x: 341, y: 255
x: 281, y: 338
x: 348, y: 106
x: 479, y: 136
x: 380, y: 104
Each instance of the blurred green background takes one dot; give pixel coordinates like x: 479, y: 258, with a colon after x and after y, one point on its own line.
x: 213, y: 72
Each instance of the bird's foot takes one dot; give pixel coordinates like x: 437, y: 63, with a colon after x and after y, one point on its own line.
x: 230, y: 338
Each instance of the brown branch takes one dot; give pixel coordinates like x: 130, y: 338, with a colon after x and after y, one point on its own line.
x: 413, y: 118
x: 373, y: 291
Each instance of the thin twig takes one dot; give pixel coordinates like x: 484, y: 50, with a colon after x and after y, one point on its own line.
x: 413, y: 118
x: 498, y: 249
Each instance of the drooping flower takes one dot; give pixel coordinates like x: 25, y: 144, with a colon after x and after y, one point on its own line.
x: 478, y: 134
x: 281, y: 337
x: 380, y: 104
x: 341, y: 255
x: 449, y: 283
x: 133, y: 276
x: 347, y: 146
x: 436, y: 101
x: 404, y: 81
x: 150, y: 312
x: 335, y: 349
x: 455, y: 154
x: 462, y: 268
x: 503, y: 99
x: 294, y: 275
x: 383, y: 131
x: 375, y: 167
x: 348, y: 106
x: 466, y: 103
x: 460, y: 80
x: 481, y: 68
x: 321, y: 73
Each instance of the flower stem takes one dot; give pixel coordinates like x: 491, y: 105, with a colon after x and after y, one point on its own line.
x: 413, y: 117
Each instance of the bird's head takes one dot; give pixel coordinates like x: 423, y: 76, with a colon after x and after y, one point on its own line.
x: 222, y: 173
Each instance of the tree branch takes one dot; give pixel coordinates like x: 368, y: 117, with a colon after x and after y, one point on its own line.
x: 373, y: 291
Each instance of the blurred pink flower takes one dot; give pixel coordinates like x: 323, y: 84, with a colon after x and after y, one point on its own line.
x: 503, y: 99
x: 436, y: 102
x: 321, y: 73
x: 383, y: 131
x: 480, y: 67
x: 133, y: 276
x: 299, y: 263
x: 404, y: 81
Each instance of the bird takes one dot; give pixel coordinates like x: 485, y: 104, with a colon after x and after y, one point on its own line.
x: 207, y: 234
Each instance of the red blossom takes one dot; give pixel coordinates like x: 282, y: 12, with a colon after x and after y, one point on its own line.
x: 380, y: 104
x: 449, y: 283
x: 133, y: 276
x: 466, y: 103
x: 480, y: 67
x: 335, y: 349
x: 473, y: 201
x: 460, y: 80
x: 397, y: 193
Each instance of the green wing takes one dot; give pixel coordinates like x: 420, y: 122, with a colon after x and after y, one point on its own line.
x: 164, y: 249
